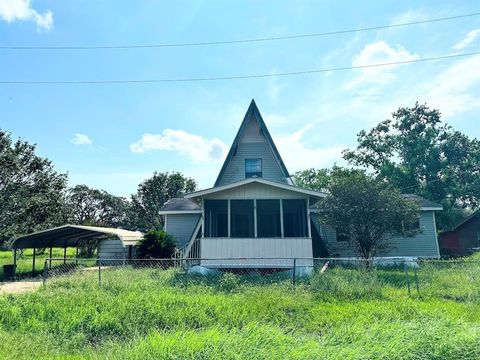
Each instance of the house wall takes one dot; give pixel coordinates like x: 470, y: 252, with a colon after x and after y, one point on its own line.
x: 181, y: 226
x: 252, y: 145
x: 263, y: 252
x: 255, y: 191
x: 424, y: 244
x: 111, y: 249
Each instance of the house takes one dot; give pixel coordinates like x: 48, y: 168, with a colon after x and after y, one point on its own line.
x: 463, y: 239
x: 254, y: 215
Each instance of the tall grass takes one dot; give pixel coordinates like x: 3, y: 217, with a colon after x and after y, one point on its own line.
x: 156, y: 314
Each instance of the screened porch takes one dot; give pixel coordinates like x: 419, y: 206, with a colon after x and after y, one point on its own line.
x: 267, y: 232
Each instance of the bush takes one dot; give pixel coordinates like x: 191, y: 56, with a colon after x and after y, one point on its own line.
x: 229, y: 282
x: 156, y: 244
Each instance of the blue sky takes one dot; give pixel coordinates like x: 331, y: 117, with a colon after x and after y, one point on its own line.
x: 113, y: 136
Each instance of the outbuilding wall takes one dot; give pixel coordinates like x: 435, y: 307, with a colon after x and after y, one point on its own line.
x: 111, y: 249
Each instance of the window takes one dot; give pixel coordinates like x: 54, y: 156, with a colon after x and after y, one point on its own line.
x: 216, y: 218
x: 253, y: 167
x: 268, y: 218
x: 294, y: 218
x: 241, y: 218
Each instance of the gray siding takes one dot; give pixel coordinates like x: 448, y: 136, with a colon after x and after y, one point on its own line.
x: 424, y: 244
x: 252, y: 145
x: 253, y: 150
x: 181, y: 226
x: 256, y: 191
x: 111, y: 249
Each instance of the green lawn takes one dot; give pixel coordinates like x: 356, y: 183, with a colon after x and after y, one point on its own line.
x: 157, y: 314
x: 24, y: 262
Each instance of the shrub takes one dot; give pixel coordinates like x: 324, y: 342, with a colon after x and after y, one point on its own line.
x: 156, y: 244
x: 229, y: 282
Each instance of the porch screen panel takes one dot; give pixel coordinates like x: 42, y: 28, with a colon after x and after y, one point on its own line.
x: 241, y: 218
x: 216, y: 218
x: 268, y: 218
x: 295, y: 218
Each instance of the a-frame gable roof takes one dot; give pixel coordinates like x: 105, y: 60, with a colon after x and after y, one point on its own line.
x: 254, y: 113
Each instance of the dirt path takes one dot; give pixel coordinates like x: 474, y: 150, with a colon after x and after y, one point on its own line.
x: 20, y: 287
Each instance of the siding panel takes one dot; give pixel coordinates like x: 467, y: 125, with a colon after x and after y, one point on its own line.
x: 424, y: 244
x: 181, y: 226
x: 111, y: 249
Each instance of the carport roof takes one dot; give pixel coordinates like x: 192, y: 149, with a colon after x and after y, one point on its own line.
x: 70, y: 235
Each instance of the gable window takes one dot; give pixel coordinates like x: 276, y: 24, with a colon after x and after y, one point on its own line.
x: 216, y: 218
x: 253, y: 167
x: 241, y: 218
x: 268, y: 218
x: 294, y: 218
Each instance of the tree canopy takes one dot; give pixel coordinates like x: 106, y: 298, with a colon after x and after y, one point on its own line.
x: 32, y: 193
x: 419, y: 154
x: 367, y: 212
x: 97, y: 207
x: 153, y: 193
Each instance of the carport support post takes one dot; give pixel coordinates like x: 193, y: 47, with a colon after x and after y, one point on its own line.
x: 50, y: 255
x: 65, y: 254
x: 14, y: 261
x: 76, y: 255
x: 33, y: 261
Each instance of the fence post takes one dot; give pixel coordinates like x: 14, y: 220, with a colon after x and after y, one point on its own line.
x: 187, y: 271
x: 99, y: 273
x: 45, y: 271
x: 294, y: 275
x: 416, y: 280
x: 406, y: 276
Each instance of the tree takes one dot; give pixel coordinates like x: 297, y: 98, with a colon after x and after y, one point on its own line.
x: 320, y: 179
x: 97, y: 207
x: 153, y: 193
x: 367, y: 212
x: 94, y: 207
x: 419, y: 154
x: 156, y: 244
x: 32, y: 193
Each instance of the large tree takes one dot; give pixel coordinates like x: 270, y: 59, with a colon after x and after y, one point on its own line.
x: 32, y: 193
x: 97, y: 207
x: 321, y: 179
x: 153, y: 193
x: 419, y: 154
x: 367, y: 212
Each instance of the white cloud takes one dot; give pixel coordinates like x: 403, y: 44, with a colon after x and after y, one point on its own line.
x: 376, y: 53
x: 12, y: 10
x: 81, y: 139
x: 298, y: 155
x: 197, y: 148
x: 274, y: 88
x: 467, y: 40
x: 456, y: 89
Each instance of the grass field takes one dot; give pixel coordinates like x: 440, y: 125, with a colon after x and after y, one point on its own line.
x: 24, y: 262
x: 342, y: 314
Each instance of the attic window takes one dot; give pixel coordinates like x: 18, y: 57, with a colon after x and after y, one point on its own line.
x: 253, y: 168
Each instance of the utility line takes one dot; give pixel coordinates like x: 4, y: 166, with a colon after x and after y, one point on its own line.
x: 238, y: 77
x: 240, y: 41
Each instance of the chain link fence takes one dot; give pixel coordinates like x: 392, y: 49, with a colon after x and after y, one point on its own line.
x: 326, y: 278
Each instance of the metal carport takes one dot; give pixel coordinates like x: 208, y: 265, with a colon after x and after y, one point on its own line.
x: 69, y: 236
